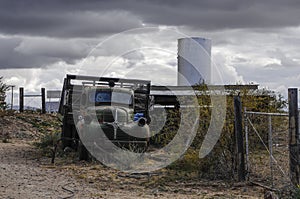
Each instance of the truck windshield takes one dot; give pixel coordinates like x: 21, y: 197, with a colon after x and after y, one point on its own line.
x: 110, y: 97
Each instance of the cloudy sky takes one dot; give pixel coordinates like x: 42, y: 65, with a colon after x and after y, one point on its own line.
x: 252, y: 41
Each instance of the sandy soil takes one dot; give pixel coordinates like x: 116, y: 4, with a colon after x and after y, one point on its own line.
x: 24, y: 173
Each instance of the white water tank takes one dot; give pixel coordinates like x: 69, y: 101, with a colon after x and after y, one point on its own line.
x: 194, y: 61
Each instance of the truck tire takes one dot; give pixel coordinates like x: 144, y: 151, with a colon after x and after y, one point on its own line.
x: 83, y: 153
x: 66, y: 135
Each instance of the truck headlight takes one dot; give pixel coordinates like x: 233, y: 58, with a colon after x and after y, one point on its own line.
x: 142, y: 121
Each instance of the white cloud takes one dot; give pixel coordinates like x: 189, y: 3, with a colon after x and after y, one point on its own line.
x: 239, y: 55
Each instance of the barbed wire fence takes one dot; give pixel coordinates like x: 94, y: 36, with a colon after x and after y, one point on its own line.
x: 31, y: 102
x: 267, y: 148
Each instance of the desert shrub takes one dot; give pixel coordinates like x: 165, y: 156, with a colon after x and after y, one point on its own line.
x: 220, y: 162
x: 47, y: 142
x: 3, y: 89
x: 296, y: 194
x: 48, y: 126
x: 169, y: 130
x: 189, y: 162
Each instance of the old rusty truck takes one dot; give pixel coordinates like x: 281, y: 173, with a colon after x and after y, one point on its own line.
x: 120, y: 107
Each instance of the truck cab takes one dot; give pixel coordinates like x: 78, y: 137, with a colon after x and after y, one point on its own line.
x: 117, y: 108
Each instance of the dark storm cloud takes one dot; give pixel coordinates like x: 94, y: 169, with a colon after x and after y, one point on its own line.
x: 38, y: 52
x: 9, y: 58
x: 37, y: 33
x: 77, y: 18
x: 55, y: 19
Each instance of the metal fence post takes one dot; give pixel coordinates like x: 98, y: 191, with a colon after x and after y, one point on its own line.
x: 294, y: 135
x: 21, y: 99
x: 43, y: 100
x: 271, y: 147
x: 247, y: 142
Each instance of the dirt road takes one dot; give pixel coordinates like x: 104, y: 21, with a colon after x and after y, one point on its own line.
x: 25, y: 173
x: 22, y: 175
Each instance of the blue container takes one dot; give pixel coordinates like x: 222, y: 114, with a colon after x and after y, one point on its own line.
x: 137, y: 116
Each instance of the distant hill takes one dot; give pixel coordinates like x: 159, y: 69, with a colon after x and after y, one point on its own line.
x: 50, y: 107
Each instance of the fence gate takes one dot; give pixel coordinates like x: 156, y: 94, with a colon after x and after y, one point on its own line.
x: 267, y: 149
x: 42, y: 96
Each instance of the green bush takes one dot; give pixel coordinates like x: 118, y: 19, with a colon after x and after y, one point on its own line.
x: 296, y: 192
x: 47, y: 142
x: 48, y: 126
x: 3, y: 89
x: 220, y: 162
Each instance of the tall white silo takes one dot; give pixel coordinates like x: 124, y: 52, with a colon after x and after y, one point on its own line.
x: 194, y: 61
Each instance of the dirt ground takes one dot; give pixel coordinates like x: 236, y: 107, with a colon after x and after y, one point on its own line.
x: 25, y: 173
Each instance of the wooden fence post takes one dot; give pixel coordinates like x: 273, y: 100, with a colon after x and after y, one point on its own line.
x: 43, y: 100
x: 21, y: 99
x: 238, y: 128
x: 294, y: 135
